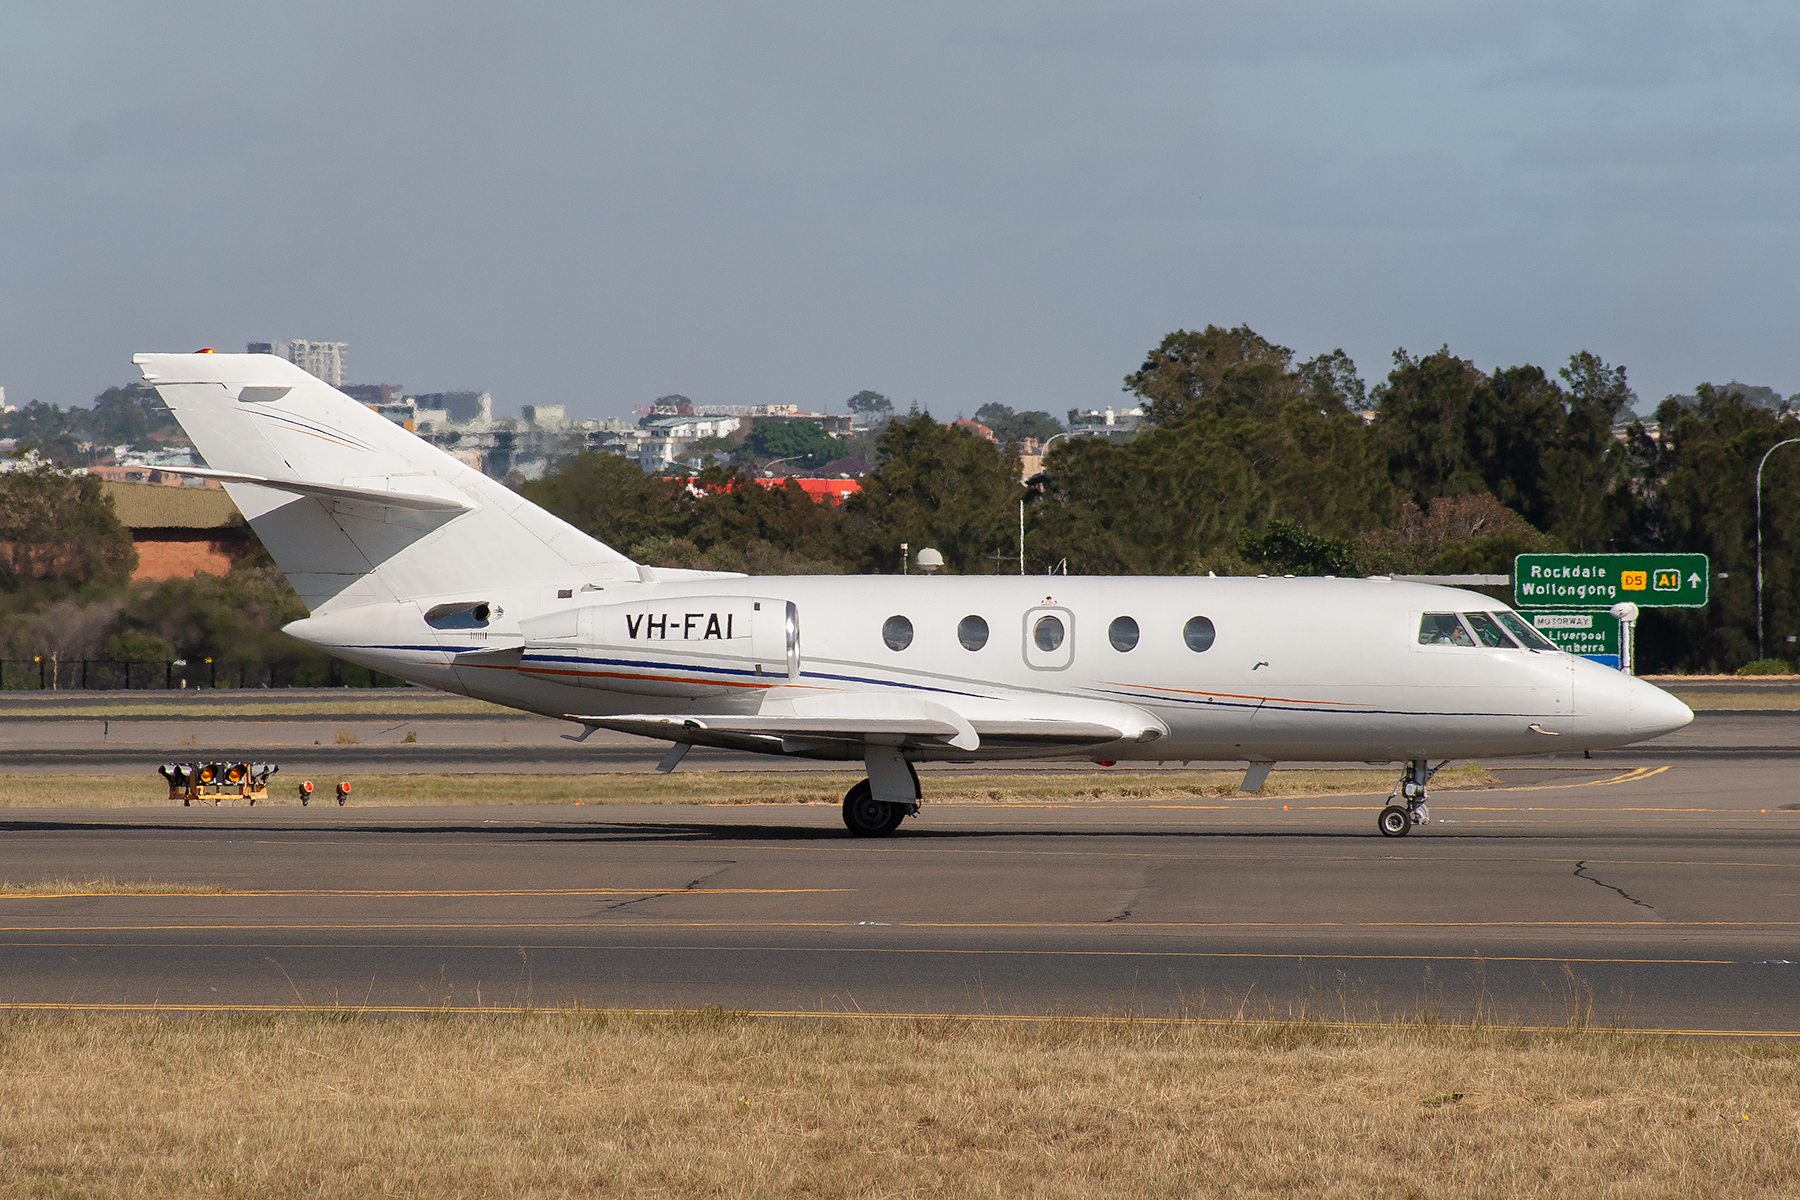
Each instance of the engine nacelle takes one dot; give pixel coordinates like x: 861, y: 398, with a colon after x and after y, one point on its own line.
x: 687, y: 646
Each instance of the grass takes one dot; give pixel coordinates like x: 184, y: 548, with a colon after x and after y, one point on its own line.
x: 410, y: 702
x: 711, y: 1104
x: 730, y: 787
x: 48, y: 888
x: 1767, y: 701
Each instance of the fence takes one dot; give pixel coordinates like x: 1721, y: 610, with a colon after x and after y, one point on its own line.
x: 106, y: 674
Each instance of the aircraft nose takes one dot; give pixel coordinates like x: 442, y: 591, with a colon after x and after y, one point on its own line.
x: 1654, y: 712
x: 1614, y: 709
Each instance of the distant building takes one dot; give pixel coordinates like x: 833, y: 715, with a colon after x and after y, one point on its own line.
x: 181, y: 531
x: 693, y: 428
x: 1106, y: 422
x: 550, y: 415
x: 456, y: 408
x: 322, y: 359
x: 373, y: 393
x: 134, y: 471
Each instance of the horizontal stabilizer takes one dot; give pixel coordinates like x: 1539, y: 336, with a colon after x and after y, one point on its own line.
x: 392, y: 498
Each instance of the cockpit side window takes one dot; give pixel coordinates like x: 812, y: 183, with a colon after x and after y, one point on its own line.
x: 1443, y: 629
x: 1521, y: 629
x: 1488, y: 633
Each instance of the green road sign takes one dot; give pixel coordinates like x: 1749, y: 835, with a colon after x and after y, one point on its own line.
x: 1602, y: 580
x: 1594, y: 634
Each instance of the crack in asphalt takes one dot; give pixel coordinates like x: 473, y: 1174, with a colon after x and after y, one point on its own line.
x: 1581, y: 873
x: 657, y: 895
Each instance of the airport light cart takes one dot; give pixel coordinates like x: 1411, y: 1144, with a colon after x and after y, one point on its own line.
x: 217, y: 781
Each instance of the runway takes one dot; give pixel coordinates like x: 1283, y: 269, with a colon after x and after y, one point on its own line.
x: 1651, y: 888
x: 324, y: 743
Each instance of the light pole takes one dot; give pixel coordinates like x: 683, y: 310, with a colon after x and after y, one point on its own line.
x: 1759, y: 573
x: 1047, y: 442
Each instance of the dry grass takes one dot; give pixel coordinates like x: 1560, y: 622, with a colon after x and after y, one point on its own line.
x: 1744, y: 701
x: 715, y: 1105
x: 407, y: 702
x: 348, y: 737
x: 53, y: 888
x: 734, y: 787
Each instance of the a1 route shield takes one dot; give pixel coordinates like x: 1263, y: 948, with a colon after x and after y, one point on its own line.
x: 1603, y: 580
x: 1590, y: 634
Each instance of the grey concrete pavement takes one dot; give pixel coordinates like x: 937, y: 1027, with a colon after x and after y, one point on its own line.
x: 1647, y: 891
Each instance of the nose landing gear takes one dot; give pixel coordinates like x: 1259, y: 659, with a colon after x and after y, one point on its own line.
x: 1397, y: 820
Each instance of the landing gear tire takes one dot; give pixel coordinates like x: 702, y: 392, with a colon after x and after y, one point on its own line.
x: 1394, y: 821
x: 865, y: 816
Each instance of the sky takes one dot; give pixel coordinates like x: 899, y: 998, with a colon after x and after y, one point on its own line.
x: 951, y: 204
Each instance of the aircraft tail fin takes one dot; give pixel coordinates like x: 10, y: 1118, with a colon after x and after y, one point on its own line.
x: 355, y: 509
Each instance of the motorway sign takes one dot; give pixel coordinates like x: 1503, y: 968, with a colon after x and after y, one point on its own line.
x: 1602, y: 580
x: 1590, y: 634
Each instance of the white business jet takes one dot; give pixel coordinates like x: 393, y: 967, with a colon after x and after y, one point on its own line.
x: 415, y: 564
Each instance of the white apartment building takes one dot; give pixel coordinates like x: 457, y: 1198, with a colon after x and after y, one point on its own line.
x: 322, y: 359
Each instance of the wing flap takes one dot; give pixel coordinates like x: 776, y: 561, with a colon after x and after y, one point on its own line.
x: 901, y: 731
x: 916, y: 731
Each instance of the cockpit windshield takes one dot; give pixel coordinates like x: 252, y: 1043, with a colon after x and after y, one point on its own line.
x: 1521, y: 629
x: 1503, y: 630
x: 1443, y: 629
x: 1488, y: 632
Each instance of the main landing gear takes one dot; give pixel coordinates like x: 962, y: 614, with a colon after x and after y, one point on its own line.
x: 865, y: 816
x: 1397, y: 820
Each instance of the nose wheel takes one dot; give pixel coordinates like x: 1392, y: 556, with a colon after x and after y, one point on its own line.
x: 1398, y: 819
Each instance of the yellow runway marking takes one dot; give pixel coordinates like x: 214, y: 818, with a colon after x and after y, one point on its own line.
x: 641, y: 925
x: 1635, y: 775
x: 969, y: 953
x: 380, y: 893
x: 378, y: 1010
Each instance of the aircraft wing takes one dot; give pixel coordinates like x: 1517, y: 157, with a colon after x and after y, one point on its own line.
x: 798, y: 721
x: 800, y: 733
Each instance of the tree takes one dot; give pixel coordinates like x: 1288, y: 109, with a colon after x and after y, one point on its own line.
x: 1287, y: 548
x: 608, y: 497
x: 1547, y: 453
x: 134, y: 645
x: 870, y: 406
x: 1456, y: 535
x: 1700, y: 481
x: 1010, y: 426
x: 940, y: 486
x: 60, y: 529
x: 1240, y: 440
x: 733, y: 510
x: 1334, y: 381
x: 722, y: 519
x: 1214, y: 371
x: 804, y: 442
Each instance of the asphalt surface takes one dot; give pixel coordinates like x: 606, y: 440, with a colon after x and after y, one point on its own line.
x: 449, y: 743
x: 1655, y: 887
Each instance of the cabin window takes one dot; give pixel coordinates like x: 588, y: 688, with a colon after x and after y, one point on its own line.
x: 1122, y: 633
x: 1529, y: 637
x: 896, y: 631
x: 1443, y: 629
x: 1047, y: 633
x: 1488, y: 633
x: 972, y: 632
x: 1198, y: 634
